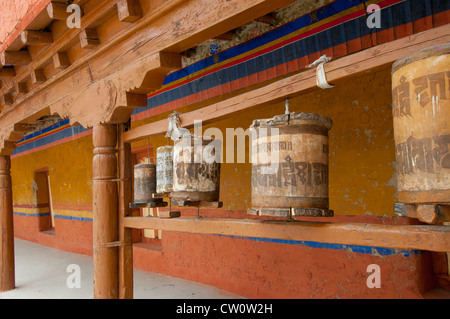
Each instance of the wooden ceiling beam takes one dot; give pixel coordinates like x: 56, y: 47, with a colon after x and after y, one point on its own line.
x: 7, y: 99
x: 129, y: 10
x: 36, y: 38
x: 58, y: 11
x: 21, y: 88
x: 61, y: 60
x: 89, y: 39
x: 15, y: 58
x: 38, y: 76
x: 227, y: 36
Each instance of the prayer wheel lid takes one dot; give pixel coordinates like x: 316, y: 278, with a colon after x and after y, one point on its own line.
x: 436, y: 50
x: 295, y: 119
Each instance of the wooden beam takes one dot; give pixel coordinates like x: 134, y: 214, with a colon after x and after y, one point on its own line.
x: 89, y: 38
x: 15, y: 58
x: 58, y: 11
x: 21, y: 88
x: 432, y: 238
x: 7, y: 99
x: 61, y: 60
x: 105, y: 212
x: 36, y: 38
x: 267, y: 19
x: 129, y: 10
x: 433, y: 213
x: 38, y: 76
x: 7, y: 272
x: 294, y: 85
x: 7, y: 73
x: 227, y: 36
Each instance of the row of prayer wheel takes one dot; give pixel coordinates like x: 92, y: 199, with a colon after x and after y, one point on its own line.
x: 290, y: 152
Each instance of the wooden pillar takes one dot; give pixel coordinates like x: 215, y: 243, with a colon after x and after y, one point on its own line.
x: 7, y: 279
x: 105, y: 212
x: 125, y: 234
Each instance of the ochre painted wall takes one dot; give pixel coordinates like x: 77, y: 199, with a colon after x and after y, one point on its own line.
x: 70, y: 173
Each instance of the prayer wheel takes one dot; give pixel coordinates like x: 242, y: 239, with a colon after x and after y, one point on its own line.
x: 144, y: 183
x: 196, y: 169
x: 421, y: 115
x: 290, y: 165
x: 164, y: 169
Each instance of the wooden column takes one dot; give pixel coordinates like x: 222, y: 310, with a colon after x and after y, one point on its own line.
x: 125, y: 234
x: 105, y: 212
x: 7, y: 279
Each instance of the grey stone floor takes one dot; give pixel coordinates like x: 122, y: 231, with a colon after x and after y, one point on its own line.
x: 41, y: 273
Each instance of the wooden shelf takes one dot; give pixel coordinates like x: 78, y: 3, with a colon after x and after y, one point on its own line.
x: 422, y: 237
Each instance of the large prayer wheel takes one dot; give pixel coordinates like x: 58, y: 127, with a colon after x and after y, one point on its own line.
x: 421, y: 113
x: 290, y: 165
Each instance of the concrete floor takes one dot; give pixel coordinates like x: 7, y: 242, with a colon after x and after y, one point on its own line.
x: 41, y: 273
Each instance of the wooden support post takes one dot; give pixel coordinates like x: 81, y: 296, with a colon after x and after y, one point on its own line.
x: 7, y: 275
x: 36, y: 38
x: 15, y: 58
x: 125, y: 234
x: 105, y: 212
x: 129, y: 10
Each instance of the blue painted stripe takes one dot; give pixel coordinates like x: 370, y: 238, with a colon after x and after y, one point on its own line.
x: 353, y: 248
x: 83, y: 219
x: 43, y: 131
x: 51, y: 138
x: 31, y: 215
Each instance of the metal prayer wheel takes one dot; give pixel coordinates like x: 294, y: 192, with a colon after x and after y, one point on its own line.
x: 290, y: 165
x: 421, y: 115
x: 144, y: 183
x: 196, y: 169
x: 164, y: 169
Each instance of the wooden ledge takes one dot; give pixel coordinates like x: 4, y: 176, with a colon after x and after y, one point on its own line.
x: 432, y: 238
